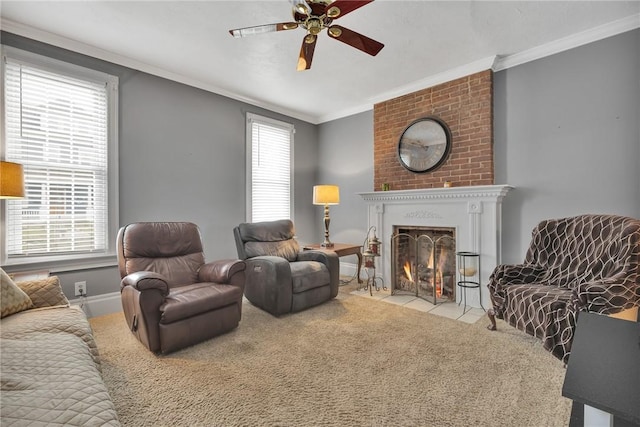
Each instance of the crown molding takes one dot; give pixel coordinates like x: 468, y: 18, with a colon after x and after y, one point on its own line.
x: 105, y: 55
x: 499, y: 63
x: 341, y: 114
x: 436, y: 79
x: 575, y: 40
x: 495, y: 63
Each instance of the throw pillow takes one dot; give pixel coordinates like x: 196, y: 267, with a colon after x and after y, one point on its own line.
x: 44, y: 292
x: 12, y: 298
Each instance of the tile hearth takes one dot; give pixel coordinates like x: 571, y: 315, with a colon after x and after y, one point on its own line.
x: 450, y: 310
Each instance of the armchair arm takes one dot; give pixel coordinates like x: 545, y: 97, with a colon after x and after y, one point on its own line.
x: 607, y: 296
x: 504, y: 275
x: 143, y: 293
x: 328, y: 258
x: 268, y: 283
x: 146, y: 280
x: 517, y: 274
x: 320, y: 255
x: 222, y: 271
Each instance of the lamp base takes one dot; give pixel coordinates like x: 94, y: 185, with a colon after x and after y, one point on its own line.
x: 327, y: 243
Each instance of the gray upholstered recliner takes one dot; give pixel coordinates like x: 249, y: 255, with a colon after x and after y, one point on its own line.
x: 279, y: 277
x: 170, y: 297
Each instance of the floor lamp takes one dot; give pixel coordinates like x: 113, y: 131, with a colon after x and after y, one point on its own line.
x: 326, y: 195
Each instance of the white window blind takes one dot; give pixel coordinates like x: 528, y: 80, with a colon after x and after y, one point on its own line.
x: 56, y: 124
x: 270, y: 169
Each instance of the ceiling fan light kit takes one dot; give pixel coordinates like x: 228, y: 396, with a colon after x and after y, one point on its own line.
x: 334, y: 32
x: 314, y: 16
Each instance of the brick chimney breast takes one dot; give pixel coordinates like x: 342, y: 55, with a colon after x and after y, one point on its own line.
x: 466, y: 106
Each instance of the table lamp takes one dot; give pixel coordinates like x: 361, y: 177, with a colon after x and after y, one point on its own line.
x: 326, y: 195
x: 11, y: 180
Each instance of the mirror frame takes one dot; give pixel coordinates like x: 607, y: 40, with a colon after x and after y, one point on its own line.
x: 435, y: 160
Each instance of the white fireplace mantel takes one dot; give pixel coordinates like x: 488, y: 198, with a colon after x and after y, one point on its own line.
x: 475, y: 213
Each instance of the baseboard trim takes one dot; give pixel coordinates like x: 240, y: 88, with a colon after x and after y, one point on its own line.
x: 348, y: 269
x: 99, y: 305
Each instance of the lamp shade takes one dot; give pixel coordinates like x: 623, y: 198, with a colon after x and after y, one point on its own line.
x: 11, y: 180
x: 326, y: 195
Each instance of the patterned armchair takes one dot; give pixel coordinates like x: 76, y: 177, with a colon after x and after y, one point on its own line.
x: 583, y: 263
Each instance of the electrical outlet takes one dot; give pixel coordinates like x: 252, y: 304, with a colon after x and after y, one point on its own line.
x: 81, y: 289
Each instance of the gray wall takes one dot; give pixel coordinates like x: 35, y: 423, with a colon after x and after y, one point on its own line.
x: 566, y: 136
x: 346, y: 159
x: 182, y: 158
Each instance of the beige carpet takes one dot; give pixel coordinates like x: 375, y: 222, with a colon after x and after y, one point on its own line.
x: 350, y: 362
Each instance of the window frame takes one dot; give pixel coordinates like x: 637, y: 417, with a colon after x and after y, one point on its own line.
x: 67, y: 262
x: 256, y: 118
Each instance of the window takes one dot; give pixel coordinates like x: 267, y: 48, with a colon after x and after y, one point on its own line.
x: 269, y: 169
x: 60, y: 123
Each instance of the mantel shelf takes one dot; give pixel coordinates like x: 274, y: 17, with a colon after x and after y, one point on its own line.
x: 479, y: 191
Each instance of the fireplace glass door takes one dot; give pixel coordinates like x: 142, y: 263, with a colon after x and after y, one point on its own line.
x: 423, y: 263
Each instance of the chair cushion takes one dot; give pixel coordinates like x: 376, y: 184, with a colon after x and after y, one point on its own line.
x: 307, y: 275
x: 583, y: 248
x: 287, y: 249
x: 267, y: 231
x: 161, y: 239
x: 270, y: 238
x: 190, y: 300
x: 529, y: 306
x: 173, y: 249
x: 175, y: 270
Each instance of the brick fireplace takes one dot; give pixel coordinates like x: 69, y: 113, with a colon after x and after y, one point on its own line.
x: 470, y: 207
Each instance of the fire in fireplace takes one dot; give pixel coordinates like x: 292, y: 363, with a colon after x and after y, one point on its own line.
x: 423, y: 262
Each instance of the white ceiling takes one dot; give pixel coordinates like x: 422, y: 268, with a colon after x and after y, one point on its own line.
x: 426, y: 42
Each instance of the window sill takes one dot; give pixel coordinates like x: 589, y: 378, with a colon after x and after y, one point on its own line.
x: 61, y: 265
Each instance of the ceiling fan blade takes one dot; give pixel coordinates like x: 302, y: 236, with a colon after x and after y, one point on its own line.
x: 306, y: 52
x: 364, y: 43
x: 261, y: 29
x: 341, y: 7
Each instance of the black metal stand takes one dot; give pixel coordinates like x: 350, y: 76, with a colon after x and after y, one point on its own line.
x: 469, y: 276
x: 371, y: 280
x: 371, y: 248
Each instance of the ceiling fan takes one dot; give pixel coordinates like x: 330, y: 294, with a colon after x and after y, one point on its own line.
x: 314, y: 16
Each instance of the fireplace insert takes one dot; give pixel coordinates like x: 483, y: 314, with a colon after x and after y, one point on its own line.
x: 423, y: 262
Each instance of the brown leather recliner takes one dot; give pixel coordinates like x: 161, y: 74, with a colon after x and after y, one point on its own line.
x: 170, y: 297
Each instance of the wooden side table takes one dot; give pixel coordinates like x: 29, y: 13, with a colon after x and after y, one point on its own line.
x: 342, y: 249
